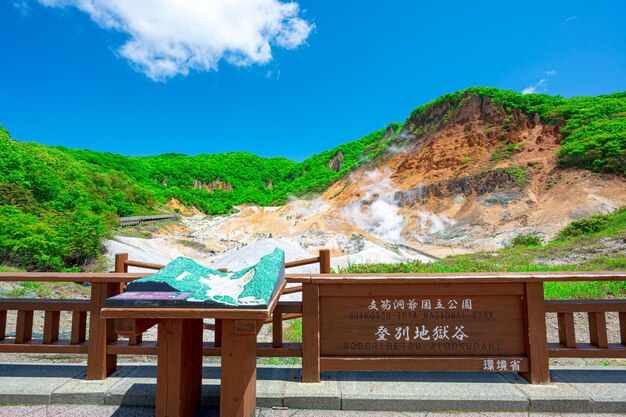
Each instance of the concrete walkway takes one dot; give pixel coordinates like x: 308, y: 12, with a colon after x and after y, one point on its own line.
x: 122, y: 411
x: 280, y: 394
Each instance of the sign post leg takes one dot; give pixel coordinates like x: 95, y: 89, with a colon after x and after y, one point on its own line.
x: 238, y: 382
x: 536, y: 339
x: 310, y: 333
x: 179, y: 371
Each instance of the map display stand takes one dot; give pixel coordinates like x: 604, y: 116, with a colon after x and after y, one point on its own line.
x: 179, y: 319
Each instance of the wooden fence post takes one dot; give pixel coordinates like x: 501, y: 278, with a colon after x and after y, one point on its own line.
x: 536, y: 339
x: 100, y: 364
x: 324, y: 261
x: 121, y: 267
x: 310, y: 333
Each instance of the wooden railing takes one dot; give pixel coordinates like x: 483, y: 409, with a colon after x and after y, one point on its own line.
x: 97, y: 337
x: 598, y: 345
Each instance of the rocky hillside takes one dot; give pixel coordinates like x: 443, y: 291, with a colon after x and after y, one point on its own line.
x: 470, y: 171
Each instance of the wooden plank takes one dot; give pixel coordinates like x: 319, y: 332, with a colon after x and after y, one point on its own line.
x: 238, y: 385
x: 79, y: 327
x: 301, y: 262
x: 470, y: 277
x: 133, y: 327
x: 44, y: 305
x: 51, y: 326
x: 264, y: 350
x: 587, y: 350
x: 536, y: 342
x: 181, y: 313
x: 289, y: 307
x: 277, y: 329
x: 3, y: 324
x: 101, y: 363
x: 121, y: 267
x: 422, y: 326
x: 298, y: 278
x: 179, y: 368
x: 24, y: 326
x: 135, y: 339
x: 287, y: 350
x: 324, y: 261
x: 576, y: 306
x: 310, y: 333
x: 597, y: 330
x: 217, y: 333
x: 622, y: 327
x: 120, y: 262
x: 274, y: 301
x: 567, y: 331
x: 145, y: 265
x: 417, y: 363
x: 35, y: 346
x: 121, y: 347
x: 285, y: 317
x: 391, y: 289
x: 104, y: 277
x: 293, y: 290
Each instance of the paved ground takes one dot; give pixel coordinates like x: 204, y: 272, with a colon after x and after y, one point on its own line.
x: 280, y: 394
x: 121, y: 411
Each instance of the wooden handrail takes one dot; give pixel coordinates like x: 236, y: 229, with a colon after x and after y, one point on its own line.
x: 103, y: 277
x: 589, y: 306
x: 23, y: 304
x: 302, y: 262
x: 145, y: 265
x: 292, y: 290
x: 466, y: 277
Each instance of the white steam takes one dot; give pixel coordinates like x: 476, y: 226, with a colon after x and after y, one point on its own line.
x: 376, y: 212
x: 433, y: 222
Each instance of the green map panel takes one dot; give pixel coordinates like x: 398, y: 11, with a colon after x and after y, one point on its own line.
x: 252, y: 286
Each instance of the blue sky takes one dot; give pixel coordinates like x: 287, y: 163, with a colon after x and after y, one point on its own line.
x: 291, y: 81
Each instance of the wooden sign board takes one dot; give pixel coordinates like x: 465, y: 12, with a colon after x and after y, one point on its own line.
x: 485, y: 326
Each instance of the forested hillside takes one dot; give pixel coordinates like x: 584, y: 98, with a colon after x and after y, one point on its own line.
x: 58, y: 204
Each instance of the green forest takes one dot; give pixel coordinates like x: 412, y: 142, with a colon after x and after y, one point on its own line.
x: 58, y: 204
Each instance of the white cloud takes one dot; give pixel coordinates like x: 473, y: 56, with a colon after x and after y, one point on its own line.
x: 532, y: 89
x: 22, y: 7
x: 171, y: 37
x: 570, y: 19
x: 540, y: 86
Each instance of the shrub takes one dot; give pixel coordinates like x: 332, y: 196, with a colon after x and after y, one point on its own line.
x: 583, y: 227
x: 526, y: 240
x: 519, y: 174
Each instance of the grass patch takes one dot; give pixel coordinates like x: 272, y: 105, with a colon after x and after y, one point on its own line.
x: 4, y: 268
x: 194, y: 244
x: 293, y: 333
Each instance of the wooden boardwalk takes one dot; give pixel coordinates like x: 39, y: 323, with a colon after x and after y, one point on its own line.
x: 135, y: 220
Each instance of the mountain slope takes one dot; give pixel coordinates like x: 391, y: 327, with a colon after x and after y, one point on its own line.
x: 472, y: 171
x: 475, y: 161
